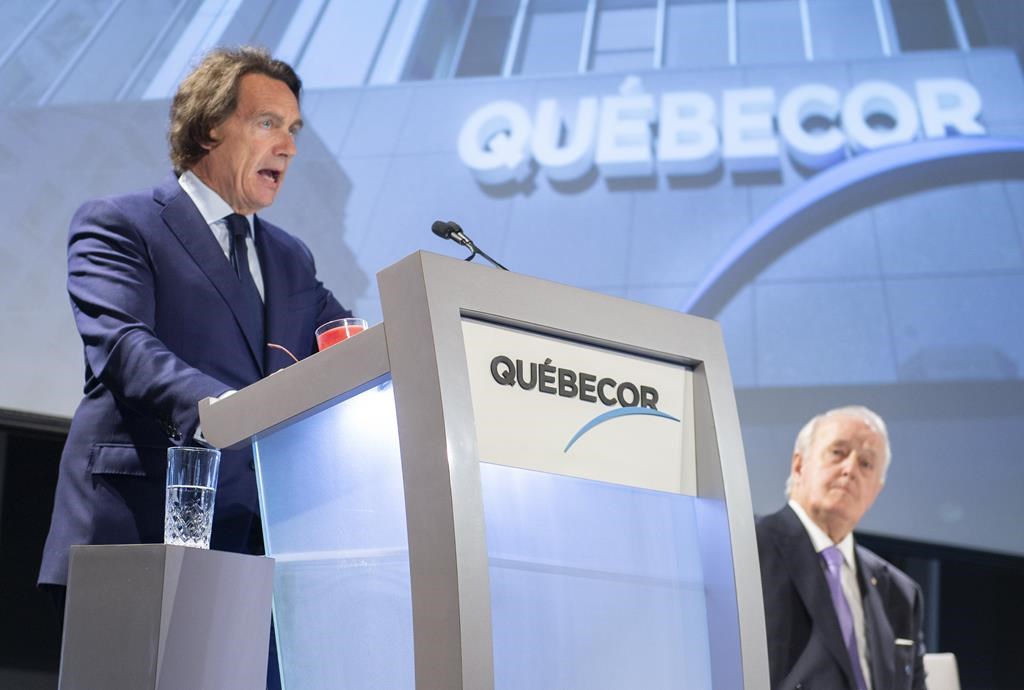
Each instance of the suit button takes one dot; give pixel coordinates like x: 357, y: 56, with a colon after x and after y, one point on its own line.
x: 252, y: 465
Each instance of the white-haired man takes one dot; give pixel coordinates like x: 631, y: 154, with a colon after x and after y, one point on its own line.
x: 838, y: 616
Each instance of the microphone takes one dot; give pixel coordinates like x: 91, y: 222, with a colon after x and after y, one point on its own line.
x: 441, y: 229
x: 450, y: 230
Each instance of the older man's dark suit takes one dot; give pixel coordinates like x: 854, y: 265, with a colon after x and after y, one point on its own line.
x: 805, y: 646
x: 157, y: 304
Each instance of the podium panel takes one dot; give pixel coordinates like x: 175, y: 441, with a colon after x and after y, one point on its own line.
x: 593, y: 585
x: 163, y: 617
x: 333, y: 510
x: 507, y: 484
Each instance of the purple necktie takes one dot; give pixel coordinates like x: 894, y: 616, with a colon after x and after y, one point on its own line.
x: 833, y: 573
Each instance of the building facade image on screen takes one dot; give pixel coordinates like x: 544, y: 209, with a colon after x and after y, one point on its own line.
x: 839, y: 182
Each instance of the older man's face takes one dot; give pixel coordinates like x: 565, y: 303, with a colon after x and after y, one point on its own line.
x: 254, y: 145
x: 841, y: 475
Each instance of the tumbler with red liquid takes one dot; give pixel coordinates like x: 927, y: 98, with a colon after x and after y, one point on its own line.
x: 333, y: 332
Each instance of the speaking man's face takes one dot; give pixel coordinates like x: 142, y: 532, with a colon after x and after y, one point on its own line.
x: 841, y: 473
x: 252, y: 148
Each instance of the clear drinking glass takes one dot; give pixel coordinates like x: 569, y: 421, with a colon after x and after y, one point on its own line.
x: 191, y: 489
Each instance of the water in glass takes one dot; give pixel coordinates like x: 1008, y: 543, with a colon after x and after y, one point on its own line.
x: 188, y: 515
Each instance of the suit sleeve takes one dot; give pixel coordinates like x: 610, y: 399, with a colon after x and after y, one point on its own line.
x: 110, y: 283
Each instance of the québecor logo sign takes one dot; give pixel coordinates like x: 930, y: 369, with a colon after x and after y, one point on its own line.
x: 550, y: 404
x: 681, y: 133
x: 626, y: 397
x: 545, y: 377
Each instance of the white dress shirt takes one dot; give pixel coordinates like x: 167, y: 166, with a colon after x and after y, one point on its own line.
x: 214, y: 209
x: 851, y: 589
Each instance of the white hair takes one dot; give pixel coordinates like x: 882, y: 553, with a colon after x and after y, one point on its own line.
x: 806, y: 436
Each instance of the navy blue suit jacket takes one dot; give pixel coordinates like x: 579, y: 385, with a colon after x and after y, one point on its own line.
x: 154, y: 299
x: 805, y: 646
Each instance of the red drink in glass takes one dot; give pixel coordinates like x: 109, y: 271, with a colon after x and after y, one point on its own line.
x: 333, y: 332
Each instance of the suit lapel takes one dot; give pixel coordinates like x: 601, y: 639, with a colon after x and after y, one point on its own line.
x: 806, y: 570
x: 879, y: 634
x: 285, y: 326
x: 184, y: 220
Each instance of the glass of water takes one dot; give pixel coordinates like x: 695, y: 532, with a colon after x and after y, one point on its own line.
x: 191, y: 488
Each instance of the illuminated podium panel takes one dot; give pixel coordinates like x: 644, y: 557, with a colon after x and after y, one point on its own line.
x: 334, y: 519
x: 507, y: 484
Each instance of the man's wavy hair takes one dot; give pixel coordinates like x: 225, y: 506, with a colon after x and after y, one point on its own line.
x: 209, y: 95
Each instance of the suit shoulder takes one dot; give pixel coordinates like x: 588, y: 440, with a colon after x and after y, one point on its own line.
x: 124, y: 205
x: 277, y: 232
x: 773, y: 523
x: 877, y: 566
x: 285, y: 239
x: 771, y: 532
x: 872, y: 561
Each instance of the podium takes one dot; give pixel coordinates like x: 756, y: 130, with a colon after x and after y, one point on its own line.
x: 508, y: 483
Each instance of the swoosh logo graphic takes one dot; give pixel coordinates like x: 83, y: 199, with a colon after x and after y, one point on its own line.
x: 615, y: 414
x: 860, y: 182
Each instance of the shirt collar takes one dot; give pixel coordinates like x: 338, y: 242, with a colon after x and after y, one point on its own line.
x: 210, y: 204
x: 820, y: 540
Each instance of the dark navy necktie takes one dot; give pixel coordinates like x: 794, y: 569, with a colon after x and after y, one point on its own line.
x: 238, y: 227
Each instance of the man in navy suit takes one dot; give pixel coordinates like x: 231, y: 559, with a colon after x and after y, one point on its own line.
x: 176, y: 292
x: 838, y: 616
